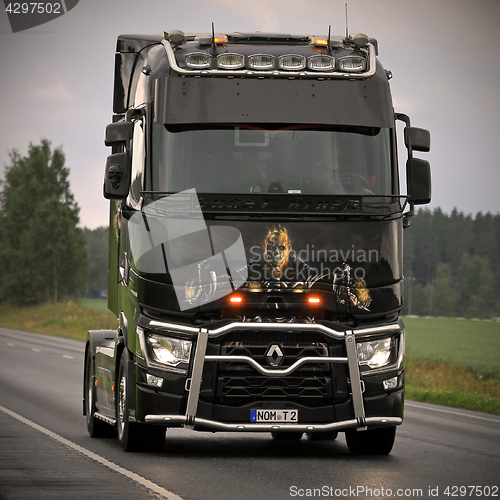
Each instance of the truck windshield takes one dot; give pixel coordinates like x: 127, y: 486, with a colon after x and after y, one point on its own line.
x: 243, y: 158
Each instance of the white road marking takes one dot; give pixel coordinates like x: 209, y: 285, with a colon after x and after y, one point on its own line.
x: 449, y: 411
x: 68, y: 357
x: 130, y: 475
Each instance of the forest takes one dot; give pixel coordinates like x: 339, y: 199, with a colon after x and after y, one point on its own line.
x: 451, y: 264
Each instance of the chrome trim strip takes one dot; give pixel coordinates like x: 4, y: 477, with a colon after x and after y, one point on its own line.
x: 277, y: 326
x: 255, y: 73
x: 213, y: 425
x: 339, y: 335
x: 271, y: 372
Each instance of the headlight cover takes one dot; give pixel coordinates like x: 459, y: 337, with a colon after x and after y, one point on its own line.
x: 168, y: 351
x: 376, y: 353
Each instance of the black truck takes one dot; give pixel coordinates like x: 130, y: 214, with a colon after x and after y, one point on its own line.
x: 255, y: 241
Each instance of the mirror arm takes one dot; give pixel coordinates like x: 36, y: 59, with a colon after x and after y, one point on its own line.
x: 408, y: 216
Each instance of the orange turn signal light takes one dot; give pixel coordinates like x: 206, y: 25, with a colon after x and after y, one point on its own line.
x: 314, y: 300
x: 321, y: 42
x: 235, y: 299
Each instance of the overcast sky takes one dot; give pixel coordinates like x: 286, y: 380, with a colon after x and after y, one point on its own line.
x: 56, y: 80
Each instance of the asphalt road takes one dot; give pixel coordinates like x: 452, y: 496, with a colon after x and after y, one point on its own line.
x: 45, y: 451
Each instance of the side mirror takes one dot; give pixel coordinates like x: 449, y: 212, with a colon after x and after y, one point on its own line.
x: 419, y: 181
x: 417, y: 139
x: 117, y: 176
x: 118, y: 133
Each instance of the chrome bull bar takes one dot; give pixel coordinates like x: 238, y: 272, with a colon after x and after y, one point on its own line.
x: 193, y: 385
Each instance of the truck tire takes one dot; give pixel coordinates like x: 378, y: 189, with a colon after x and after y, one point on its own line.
x: 95, y: 427
x: 133, y: 436
x: 372, y: 441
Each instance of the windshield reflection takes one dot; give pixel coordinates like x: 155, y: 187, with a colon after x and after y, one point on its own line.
x: 256, y: 159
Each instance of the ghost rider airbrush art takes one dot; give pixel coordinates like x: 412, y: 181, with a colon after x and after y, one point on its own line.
x: 291, y: 269
x: 255, y: 242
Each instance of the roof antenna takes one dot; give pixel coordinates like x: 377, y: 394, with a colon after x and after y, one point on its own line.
x: 329, y: 35
x: 346, y: 25
x: 214, y: 46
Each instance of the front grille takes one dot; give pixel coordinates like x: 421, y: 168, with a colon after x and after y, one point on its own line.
x: 239, y: 384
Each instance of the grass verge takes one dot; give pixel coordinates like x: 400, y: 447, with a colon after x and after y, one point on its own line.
x: 450, y: 384
x: 453, y: 362
x: 69, y: 319
x: 469, y: 343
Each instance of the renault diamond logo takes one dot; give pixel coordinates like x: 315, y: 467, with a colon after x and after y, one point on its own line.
x: 275, y: 356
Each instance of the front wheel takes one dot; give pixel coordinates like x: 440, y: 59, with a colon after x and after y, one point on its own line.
x: 133, y: 436
x: 377, y: 441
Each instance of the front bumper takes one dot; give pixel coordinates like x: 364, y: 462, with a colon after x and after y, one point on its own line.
x: 358, y: 411
x: 214, y: 426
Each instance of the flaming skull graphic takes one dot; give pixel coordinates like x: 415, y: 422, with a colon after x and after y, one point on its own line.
x: 277, y: 247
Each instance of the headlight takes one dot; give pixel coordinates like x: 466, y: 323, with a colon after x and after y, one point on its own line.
x: 168, y: 351
x: 377, y: 353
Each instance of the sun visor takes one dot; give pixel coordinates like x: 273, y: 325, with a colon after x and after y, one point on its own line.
x: 251, y: 100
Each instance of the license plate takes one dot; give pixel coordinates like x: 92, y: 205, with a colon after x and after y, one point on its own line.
x: 275, y: 416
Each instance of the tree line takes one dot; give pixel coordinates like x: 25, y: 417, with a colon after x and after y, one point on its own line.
x: 452, y: 265
x: 451, y: 262
x: 45, y: 255
x: 42, y: 250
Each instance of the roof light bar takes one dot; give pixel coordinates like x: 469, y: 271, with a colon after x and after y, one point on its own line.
x: 292, y: 62
x: 359, y: 65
